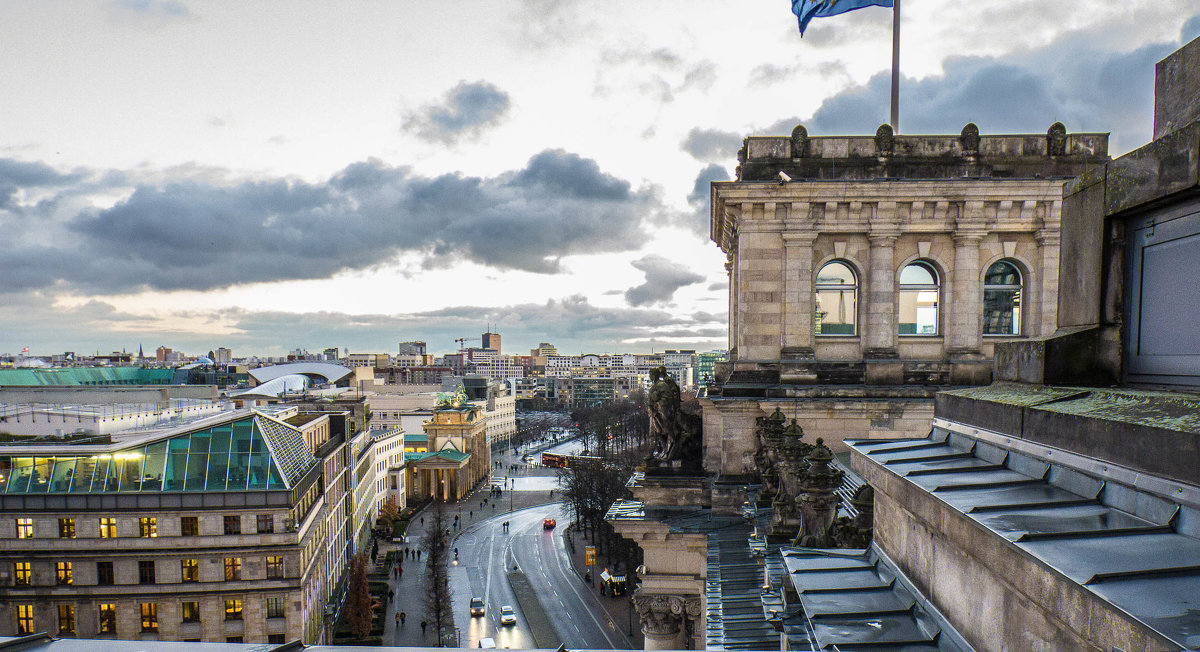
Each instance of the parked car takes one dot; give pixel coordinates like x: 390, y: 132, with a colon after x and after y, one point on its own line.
x: 477, y: 607
x: 508, y: 616
x: 549, y: 524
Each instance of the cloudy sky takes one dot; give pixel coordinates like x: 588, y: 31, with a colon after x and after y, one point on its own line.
x: 274, y: 175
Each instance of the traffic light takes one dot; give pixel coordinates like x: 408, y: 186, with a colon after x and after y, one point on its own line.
x: 589, y: 556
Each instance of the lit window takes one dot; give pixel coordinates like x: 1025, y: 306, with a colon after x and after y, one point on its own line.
x: 108, y: 619
x: 233, y: 609
x: 918, y: 299
x: 66, y: 528
x: 63, y: 574
x: 836, y: 300
x: 275, y: 568
x: 149, y: 616
x: 266, y: 524
x: 66, y: 619
x: 190, y: 612
x: 190, y: 570
x: 275, y: 607
x: 24, y: 619
x: 233, y: 568
x: 24, y: 528
x: 108, y: 528
x: 146, y: 572
x: 1002, y: 299
x: 189, y: 526
x: 148, y: 527
x: 21, y: 573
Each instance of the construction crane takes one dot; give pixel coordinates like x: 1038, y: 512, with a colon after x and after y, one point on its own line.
x: 461, y: 341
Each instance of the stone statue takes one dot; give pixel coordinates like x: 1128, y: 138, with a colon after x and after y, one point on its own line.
x: 1056, y: 140
x: 969, y: 139
x: 856, y: 532
x: 675, y: 433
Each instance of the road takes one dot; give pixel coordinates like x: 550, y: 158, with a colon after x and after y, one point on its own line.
x: 487, y: 552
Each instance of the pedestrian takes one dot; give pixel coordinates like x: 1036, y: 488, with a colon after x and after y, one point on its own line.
x: 391, y: 594
x: 471, y: 513
x: 418, y: 554
x: 398, y: 619
x: 422, y: 520
x: 400, y: 574
x: 403, y: 616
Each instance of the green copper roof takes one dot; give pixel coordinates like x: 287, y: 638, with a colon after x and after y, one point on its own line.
x: 90, y: 376
x: 452, y: 455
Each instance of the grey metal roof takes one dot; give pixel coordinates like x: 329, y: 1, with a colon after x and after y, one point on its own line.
x: 1133, y: 549
x: 856, y: 599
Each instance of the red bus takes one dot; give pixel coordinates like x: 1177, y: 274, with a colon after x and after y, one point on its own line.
x: 554, y: 460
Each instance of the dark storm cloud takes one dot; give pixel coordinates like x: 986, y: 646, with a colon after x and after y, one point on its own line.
x: 464, y: 112
x: 17, y: 175
x: 1070, y: 80
x: 711, y: 144
x: 697, y: 220
x: 663, y: 278
x: 200, y: 234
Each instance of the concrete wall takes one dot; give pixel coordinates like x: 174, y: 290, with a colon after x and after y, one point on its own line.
x: 1177, y: 89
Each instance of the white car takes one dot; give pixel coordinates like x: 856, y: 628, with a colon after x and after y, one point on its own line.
x: 508, y: 616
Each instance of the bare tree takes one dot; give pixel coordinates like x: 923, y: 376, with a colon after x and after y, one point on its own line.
x: 359, y: 605
x: 437, y: 573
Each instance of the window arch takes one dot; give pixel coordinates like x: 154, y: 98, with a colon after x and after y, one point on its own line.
x: 836, y: 306
x: 918, y: 299
x: 1002, y: 299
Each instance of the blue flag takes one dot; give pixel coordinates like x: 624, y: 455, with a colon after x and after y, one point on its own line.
x: 807, y: 10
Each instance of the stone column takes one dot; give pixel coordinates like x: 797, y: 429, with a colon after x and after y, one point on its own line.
x: 660, y: 627
x: 1048, y: 247
x: 730, y: 269
x: 963, y: 312
x: 798, y: 294
x: 879, y: 324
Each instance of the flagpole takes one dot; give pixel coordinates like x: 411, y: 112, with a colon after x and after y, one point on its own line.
x: 896, y: 67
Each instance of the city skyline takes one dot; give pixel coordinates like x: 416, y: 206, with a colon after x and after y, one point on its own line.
x: 216, y: 175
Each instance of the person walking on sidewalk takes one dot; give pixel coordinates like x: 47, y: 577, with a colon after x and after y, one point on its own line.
x: 423, y: 625
x: 403, y: 616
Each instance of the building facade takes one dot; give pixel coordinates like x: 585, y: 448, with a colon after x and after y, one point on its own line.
x: 882, y: 269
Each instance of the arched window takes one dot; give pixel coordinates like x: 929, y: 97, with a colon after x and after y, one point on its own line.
x: 837, y: 300
x: 918, y: 299
x: 1002, y: 299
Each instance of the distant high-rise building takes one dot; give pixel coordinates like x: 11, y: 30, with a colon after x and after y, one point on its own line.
x: 543, y: 349
x: 162, y: 353
x: 223, y: 355
x: 416, y: 347
x: 491, y: 341
x: 330, y: 355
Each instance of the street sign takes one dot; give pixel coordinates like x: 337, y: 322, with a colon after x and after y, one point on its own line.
x: 589, y: 556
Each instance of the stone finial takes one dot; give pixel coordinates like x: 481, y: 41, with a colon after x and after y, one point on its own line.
x: 885, y: 140
x: 1056, y: 140
x: 969, y: 139
x: 799, y: 142
x: 742, y: 152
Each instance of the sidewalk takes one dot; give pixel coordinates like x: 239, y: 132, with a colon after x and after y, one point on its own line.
x: 409, y: 588
x: 619, y: 609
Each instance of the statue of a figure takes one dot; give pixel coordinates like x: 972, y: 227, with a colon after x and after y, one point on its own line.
x: 675, y: 433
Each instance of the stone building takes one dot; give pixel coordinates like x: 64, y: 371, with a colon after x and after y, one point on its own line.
x: 212, y: 529
x: 866, y: 273
x: 457, y: 455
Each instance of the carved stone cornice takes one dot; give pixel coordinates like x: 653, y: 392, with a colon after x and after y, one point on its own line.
x: 664, y: 614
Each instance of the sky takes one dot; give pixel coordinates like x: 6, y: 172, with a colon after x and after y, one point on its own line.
x: 274, y: 175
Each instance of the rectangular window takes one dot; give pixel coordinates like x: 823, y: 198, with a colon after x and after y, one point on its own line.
x: 108, y: 619
x: 233, y: 525
x: 266, y: 524
x: 233, y: 609
x: 149, y: 616
x: 146, y: 572
x: 66, y: 619
x: 24, y: 528
x: 22, y: 576
x: 108, y: 528
x: 63, y: 574
x: 24, y: 619
x: 233, y: 639
x: 104, y: 573
x: 277, y: 638
x: 275, y: 606
x: 190, y: 611
x: 275, y: 568
x: 148, y: 527
x: 189, y: 526
x: 233, y: 568
x: 66, y: 528
x: 191, y: 570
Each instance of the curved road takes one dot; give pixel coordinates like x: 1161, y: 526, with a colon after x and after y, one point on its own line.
x: 487, y: 552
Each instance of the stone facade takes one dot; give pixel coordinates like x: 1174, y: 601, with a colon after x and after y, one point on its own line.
x: 951, y: 205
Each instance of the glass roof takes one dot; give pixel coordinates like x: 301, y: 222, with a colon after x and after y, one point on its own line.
x: 255, y: 453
